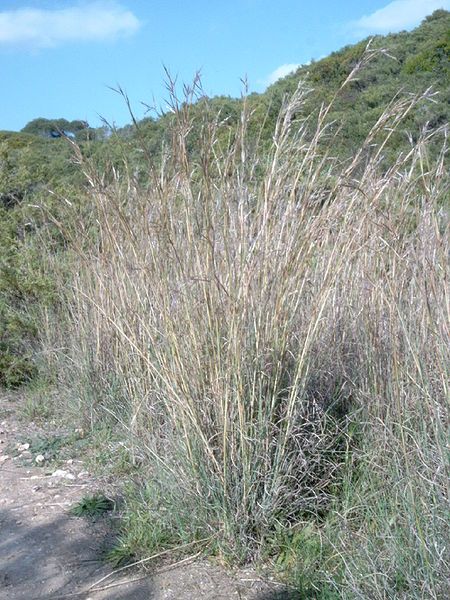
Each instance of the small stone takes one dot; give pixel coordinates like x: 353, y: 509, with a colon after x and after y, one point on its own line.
x: 22, y: 447
x: 63, y: 474
x: 82, y: 474
x: 69, y: 461
x: 3, y: 458
x: 26, y: 454
x: 39, y: 459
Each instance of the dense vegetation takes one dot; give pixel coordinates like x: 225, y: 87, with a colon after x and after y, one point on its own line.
x: 247, y: 304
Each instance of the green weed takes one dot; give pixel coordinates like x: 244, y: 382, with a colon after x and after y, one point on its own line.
x: 92, y: 506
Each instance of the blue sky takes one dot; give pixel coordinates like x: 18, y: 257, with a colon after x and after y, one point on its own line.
x: 57, y: 58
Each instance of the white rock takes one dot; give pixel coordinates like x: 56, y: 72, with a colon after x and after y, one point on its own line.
x: 39, y: 459
x: 22, y: 447
x: 63, y: 474
x: 69, y: 461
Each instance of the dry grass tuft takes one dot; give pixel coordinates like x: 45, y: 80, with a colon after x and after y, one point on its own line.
x: 271, y: 333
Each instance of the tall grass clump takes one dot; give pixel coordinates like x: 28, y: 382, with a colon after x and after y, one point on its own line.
x: 270, y: 334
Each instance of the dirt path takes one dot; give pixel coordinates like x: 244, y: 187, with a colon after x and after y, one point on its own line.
x: 45, y: 553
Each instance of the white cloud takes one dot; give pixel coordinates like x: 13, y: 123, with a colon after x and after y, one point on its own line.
x: 280, y: 72
x: 41, y: 28
x: 397, y: 15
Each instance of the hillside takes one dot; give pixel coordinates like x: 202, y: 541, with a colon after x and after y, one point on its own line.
x: 397, y: 66
x: 403, y: 64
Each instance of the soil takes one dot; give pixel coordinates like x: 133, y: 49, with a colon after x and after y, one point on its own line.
x: 46, y: 553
